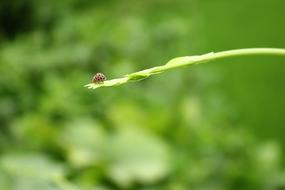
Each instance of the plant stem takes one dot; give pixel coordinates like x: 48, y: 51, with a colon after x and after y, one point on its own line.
x: 249, y: 51
x: 229, y: 53
x: 187, y: 61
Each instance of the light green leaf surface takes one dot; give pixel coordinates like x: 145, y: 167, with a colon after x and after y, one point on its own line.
x: 31, y: 165
x: 136, y: 156
x: 82, y: 152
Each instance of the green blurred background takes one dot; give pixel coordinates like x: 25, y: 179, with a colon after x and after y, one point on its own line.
x: 215, y: 126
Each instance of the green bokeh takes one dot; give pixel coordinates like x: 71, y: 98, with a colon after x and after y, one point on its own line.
x: 213, y: 126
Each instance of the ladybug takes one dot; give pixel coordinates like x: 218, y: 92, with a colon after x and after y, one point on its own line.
x: 98, y: 78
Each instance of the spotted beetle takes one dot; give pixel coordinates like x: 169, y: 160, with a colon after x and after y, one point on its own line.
x: 99, y: 78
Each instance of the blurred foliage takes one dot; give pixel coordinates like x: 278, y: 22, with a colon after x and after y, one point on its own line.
x: 215, y: 126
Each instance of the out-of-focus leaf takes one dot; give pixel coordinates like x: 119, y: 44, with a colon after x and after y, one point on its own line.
x: 31, y: 165
x: 83, y: 140
x: 5, y: 182
x: 268, y: 157
x: 136, y: 156
x: 27, y: 183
